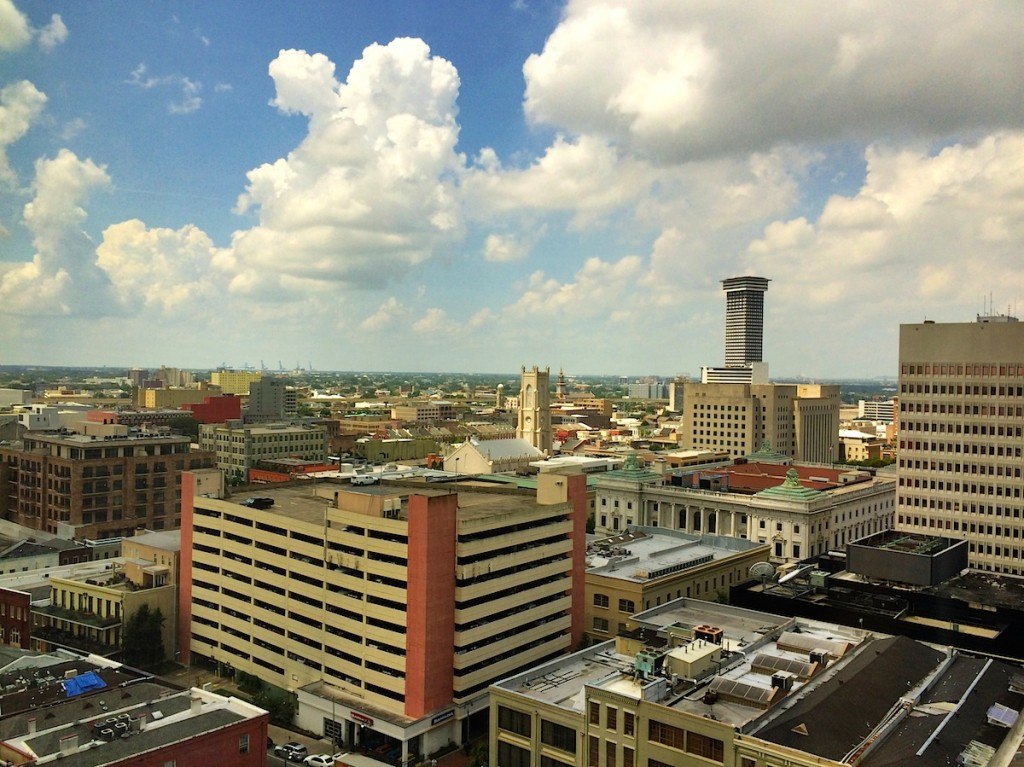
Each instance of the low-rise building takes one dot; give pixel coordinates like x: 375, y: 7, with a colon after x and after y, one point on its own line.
x: 800, y: 510
x: 491, y: 456
x: 76, y: 711
x: 237, y: 448
x: 702, y: 683
x: 646, y: 566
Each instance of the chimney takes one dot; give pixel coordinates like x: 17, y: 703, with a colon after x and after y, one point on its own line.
x: 142, y: 722
x: 68, y: 744
x: 197, y: 704
x: 32, y: 726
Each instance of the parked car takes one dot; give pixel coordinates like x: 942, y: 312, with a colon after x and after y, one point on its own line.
x: 322, y: 760
x: 293, y: 752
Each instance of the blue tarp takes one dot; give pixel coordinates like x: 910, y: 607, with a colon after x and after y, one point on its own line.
x: 90, y: 680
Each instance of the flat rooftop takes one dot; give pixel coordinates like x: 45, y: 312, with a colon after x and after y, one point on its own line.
x: 643, y: 554
x: 844, y: 684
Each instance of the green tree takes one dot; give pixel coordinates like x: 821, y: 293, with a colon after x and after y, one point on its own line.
x: 186, y: 425
x: 142, y: 642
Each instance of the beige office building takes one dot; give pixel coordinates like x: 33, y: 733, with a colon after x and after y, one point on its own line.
x: 798, y: 420
x: 388, y: 610
x: 238, y: 448
x: 961, y: 437
x: 235, y: 381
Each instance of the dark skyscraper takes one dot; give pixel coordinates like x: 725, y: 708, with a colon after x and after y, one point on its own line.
x: 744, y: 319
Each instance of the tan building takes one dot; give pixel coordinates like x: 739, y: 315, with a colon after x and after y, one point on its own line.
x: 491, y: 456
x: 859, y: 446
x: 799, y: 510
x: 699, y: 683
x: 89, y: 606
x: 961, y: 437
x: 103, y: 483
x: 534, y: 424
x: 175, y: 397
x: 798, y: 420
x: 237, y: 449
x: 424, y: 412
x: 388, y: 609
x: 647, y: 566
x: 235, y: 381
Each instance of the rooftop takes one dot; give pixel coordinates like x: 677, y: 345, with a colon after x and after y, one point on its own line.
x: 644, y: 554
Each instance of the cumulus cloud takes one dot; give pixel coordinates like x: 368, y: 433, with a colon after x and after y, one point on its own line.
x: 388, y: 314
x: 188, y: 100
x: 692, y: 80
x: 918, y: 221
x: 15, y: 32
x: 62, y: 278
x: 597, y: 288
x: 161, y: 269
x: 372, y: 189
x: 53, y: 34
x: 506, y: 248
x: 20, y: 105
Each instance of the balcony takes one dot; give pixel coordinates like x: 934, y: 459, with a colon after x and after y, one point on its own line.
x: 78, y: 617
x: 55, y: 636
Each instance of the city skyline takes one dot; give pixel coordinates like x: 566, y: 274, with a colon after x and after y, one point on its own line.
x: 475, y: 186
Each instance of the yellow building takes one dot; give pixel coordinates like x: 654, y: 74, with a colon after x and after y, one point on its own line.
x: 176, y: 397
x: 647, y: 566
x: 235, y: 381
x: 389, y: 610
x: 89, y: 607
x: 708, y: 685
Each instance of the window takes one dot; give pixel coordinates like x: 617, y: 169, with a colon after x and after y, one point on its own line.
x: 609, y: 753
x: 595, y: 713
x: 243, y: 743
x: 705, y: 746
x: 612, y: 718
x: 627, y: 606
x: 600, y: 600
x: 600, y: 624
x: 666, y: 734
x: 746, y: 761
x: 558, y: 736
x: 514, y: 721
x: 593, y: 753
x: 627, y: 757
x: 628, y: 723
x: 512, y: 756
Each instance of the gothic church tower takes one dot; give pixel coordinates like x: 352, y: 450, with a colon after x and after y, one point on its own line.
x: 535, y: 408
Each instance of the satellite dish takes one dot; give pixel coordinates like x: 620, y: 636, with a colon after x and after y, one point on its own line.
x: 762, y: 570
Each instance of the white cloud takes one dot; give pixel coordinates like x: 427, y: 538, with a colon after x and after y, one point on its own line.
x: 925, y: 233
x: 598, y: 288
x: 53, y: 34
x: 15, y: 32
x: 161, y: 269
x: 506, y: 248
x: 435, y: 322
x: 62, y: 278
x: 690, y: 80
x: 372, y: 189
x: 189, y: 100
x: 20, y: 105
x: 388, y: 314
x: 72, y: 128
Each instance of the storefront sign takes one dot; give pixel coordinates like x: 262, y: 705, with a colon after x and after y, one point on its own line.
x: 443, y: 717
x: 361, y: 718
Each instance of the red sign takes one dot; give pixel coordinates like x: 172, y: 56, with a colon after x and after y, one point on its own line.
x: 361, y: 718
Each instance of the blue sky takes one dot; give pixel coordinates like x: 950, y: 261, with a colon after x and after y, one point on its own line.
x: 474, y: 186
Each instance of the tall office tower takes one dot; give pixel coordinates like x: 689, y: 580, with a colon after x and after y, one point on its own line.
x: 535, y: 408
x: 961, y: 437
x: 744, y: 319
x: 266, y: 400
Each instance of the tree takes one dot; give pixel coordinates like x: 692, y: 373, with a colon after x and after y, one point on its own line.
x: 142, y: 642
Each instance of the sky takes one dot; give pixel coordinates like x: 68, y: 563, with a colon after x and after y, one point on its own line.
x: 474, y: 186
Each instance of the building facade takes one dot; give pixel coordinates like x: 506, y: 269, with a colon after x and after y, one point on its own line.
x: 234, y: 381
x: 798, y: 420
x: 103, y: 483
x: 800, y: 511
x: 389, y: 610
x: 961, y: 437
x: 238, y: 448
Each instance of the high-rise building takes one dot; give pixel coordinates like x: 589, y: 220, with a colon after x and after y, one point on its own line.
x: 269, y: 400
x: 389, y: 610
x: 797, y: 420
x: 744, y: 319
x: 961, y: 437
x: 535, y: 408
x: 235, y: 381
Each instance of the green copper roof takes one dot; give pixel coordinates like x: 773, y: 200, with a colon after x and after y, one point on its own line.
x: 766, y: 454
x: 790, y: 489
x: 632, y: 471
